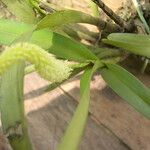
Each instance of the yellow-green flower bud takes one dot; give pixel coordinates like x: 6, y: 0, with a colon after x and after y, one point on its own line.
x: 46, y: 64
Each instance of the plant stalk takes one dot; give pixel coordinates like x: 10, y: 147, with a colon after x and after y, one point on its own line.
x: 140, y: 13
x: 12, y: 108
x: 118, y: 20
x: 147, y: 28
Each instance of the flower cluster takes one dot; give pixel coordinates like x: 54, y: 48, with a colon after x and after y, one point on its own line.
x: 47, y: 66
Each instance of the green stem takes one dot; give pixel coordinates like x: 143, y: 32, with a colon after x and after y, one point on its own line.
x: 146, y: 61
x: 140, y: 13
x: 12, y: 108
x: 118, y: 20
x: 108, y: 53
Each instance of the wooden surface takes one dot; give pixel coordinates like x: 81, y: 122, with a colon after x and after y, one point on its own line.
x: 110, y: 110
x: 49, y: 114
x: 84, y: 5
x: 113, y: 124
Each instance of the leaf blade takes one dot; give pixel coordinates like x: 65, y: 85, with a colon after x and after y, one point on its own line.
x: 125, y: 88
x: 134, y: 43
x: 74, y: 132
x: 63, y: 17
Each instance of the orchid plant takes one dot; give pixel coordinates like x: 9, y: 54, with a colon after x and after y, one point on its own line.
x: 48, y: 41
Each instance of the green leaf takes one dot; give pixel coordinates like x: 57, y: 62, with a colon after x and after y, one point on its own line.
x: 59, y: 45
x: 74, y: 132
x: 11, y: 107
x: 21, y: 9
x: 134, y: 43
x: 63, y: 17
x: 128, y: 87
x: 11, y: 30
x: 69, y: 49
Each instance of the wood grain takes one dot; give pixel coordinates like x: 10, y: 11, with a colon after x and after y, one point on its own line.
x: 113, y: 4
x: 49, y: 114
x: 109, y: 109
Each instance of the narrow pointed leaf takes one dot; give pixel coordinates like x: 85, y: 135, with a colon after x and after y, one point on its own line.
x: 128, y: 87
x: 74, y: 132
x: 134, y: 43
x: 69, y: 49
x: 63, y: 17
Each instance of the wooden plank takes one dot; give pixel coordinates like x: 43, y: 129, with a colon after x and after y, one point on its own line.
x: 49, y: 114
x: 114, y: 5
x: 109, y: 109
